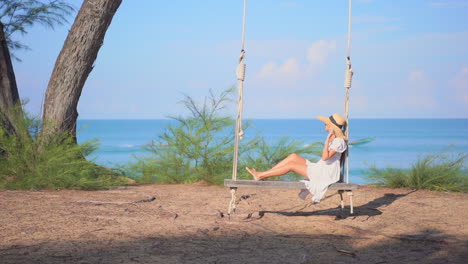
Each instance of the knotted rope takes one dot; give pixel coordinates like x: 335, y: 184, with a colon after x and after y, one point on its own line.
x: 347, y: 83
x: 239, y: 133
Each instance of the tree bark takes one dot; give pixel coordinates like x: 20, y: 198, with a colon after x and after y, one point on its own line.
x: 74, y: 64
x: 9, y: 96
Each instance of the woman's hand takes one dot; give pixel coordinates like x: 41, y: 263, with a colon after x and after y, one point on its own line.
x: 330, y: 137
x: 326, y: 153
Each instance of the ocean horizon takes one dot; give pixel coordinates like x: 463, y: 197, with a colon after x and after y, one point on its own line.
x: 398, y: 142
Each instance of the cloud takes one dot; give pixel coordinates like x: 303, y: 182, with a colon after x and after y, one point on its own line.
x: 267, y: 70
x: 413, y: 96
x: 418, y: 91
x: 290, y: 69
x: 319, y: 51
x: 359, y: 103
x: 290, y: 66
x: 378, y: 24
x: 438, y: 4
x: 295, y: 80
x: 461, y: 86
x: 287, y: 105
x: 374, y: 19
x: 449, y: 4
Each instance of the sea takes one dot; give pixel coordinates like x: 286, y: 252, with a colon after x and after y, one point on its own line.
x: 397, y: 143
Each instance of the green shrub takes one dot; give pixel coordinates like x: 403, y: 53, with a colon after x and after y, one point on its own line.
x: 60, y: 164
x: 439, y: 172
x: 199, y: 147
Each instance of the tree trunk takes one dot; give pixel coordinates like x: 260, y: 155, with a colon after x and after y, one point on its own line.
x: 74, y: 64
x: 9, y: 96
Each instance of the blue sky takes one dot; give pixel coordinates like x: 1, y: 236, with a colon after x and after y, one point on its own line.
x: 410, y: 58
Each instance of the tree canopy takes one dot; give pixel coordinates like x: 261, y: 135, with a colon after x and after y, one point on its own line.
x: 19, y: 15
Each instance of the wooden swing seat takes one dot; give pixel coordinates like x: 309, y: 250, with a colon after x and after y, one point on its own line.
x: 339, y: 186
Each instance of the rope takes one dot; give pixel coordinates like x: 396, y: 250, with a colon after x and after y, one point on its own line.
x: 240, y: 79
x: 243, y: 24
x: 349, y: 26
x: 347, y: 83
x: 240, y: 71
x: 232, y: 204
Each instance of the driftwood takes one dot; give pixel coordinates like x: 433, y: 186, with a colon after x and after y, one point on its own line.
x: 346, y: 252
x: 319, y: 236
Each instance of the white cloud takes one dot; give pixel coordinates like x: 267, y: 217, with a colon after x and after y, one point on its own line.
x: 316, y: 55
x: 359, y: 103
x: 374, y: 19
x: 412, y: 96
x: 438, y: 4
x: 417, y: 91
x: 267, y: 69
x: 461, y: 86
x: 319, y: 51
x: 290, y: 66
x: 272, y: 75
x: 287, y: 105
x: 449, y: 4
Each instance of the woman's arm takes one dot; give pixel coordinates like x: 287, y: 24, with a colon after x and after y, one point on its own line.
x: 328, y: 153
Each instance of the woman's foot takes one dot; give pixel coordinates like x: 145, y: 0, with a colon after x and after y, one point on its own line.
x: 253, y: 172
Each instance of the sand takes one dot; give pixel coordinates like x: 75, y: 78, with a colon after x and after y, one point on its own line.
x: 189, y: 224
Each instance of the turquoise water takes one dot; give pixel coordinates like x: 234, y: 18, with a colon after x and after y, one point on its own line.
x: 398, y: 141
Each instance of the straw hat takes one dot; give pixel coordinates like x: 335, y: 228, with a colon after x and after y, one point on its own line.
x: 336, y: 122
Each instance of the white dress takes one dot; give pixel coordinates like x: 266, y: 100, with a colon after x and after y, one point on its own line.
x: 323, y: 173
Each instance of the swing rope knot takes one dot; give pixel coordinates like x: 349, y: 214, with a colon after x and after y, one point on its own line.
x: 240, y: 72
x: 241, y: 67
x: 348, y: 74
x: 241, y: 56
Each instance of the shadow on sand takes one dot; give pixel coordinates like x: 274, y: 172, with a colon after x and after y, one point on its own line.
x: 225, y: 246
x: 369, y: 209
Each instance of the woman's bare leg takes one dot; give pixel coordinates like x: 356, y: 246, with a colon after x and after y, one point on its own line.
x: 293, y: 163
x: 291, y: 158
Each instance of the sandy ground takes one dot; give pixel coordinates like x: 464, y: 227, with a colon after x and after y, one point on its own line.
x: 189, y: 224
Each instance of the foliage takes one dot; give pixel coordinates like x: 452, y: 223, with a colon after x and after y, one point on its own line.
x: 199, y: 147
x: 18, y: 15
x: 443, y: 171
x: 59, y: 165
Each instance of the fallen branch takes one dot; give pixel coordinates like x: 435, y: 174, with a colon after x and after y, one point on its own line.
x: 319, y: 236
x: 346, y: 252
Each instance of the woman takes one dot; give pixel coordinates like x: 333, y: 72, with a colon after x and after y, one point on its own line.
x: 320, y: 174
